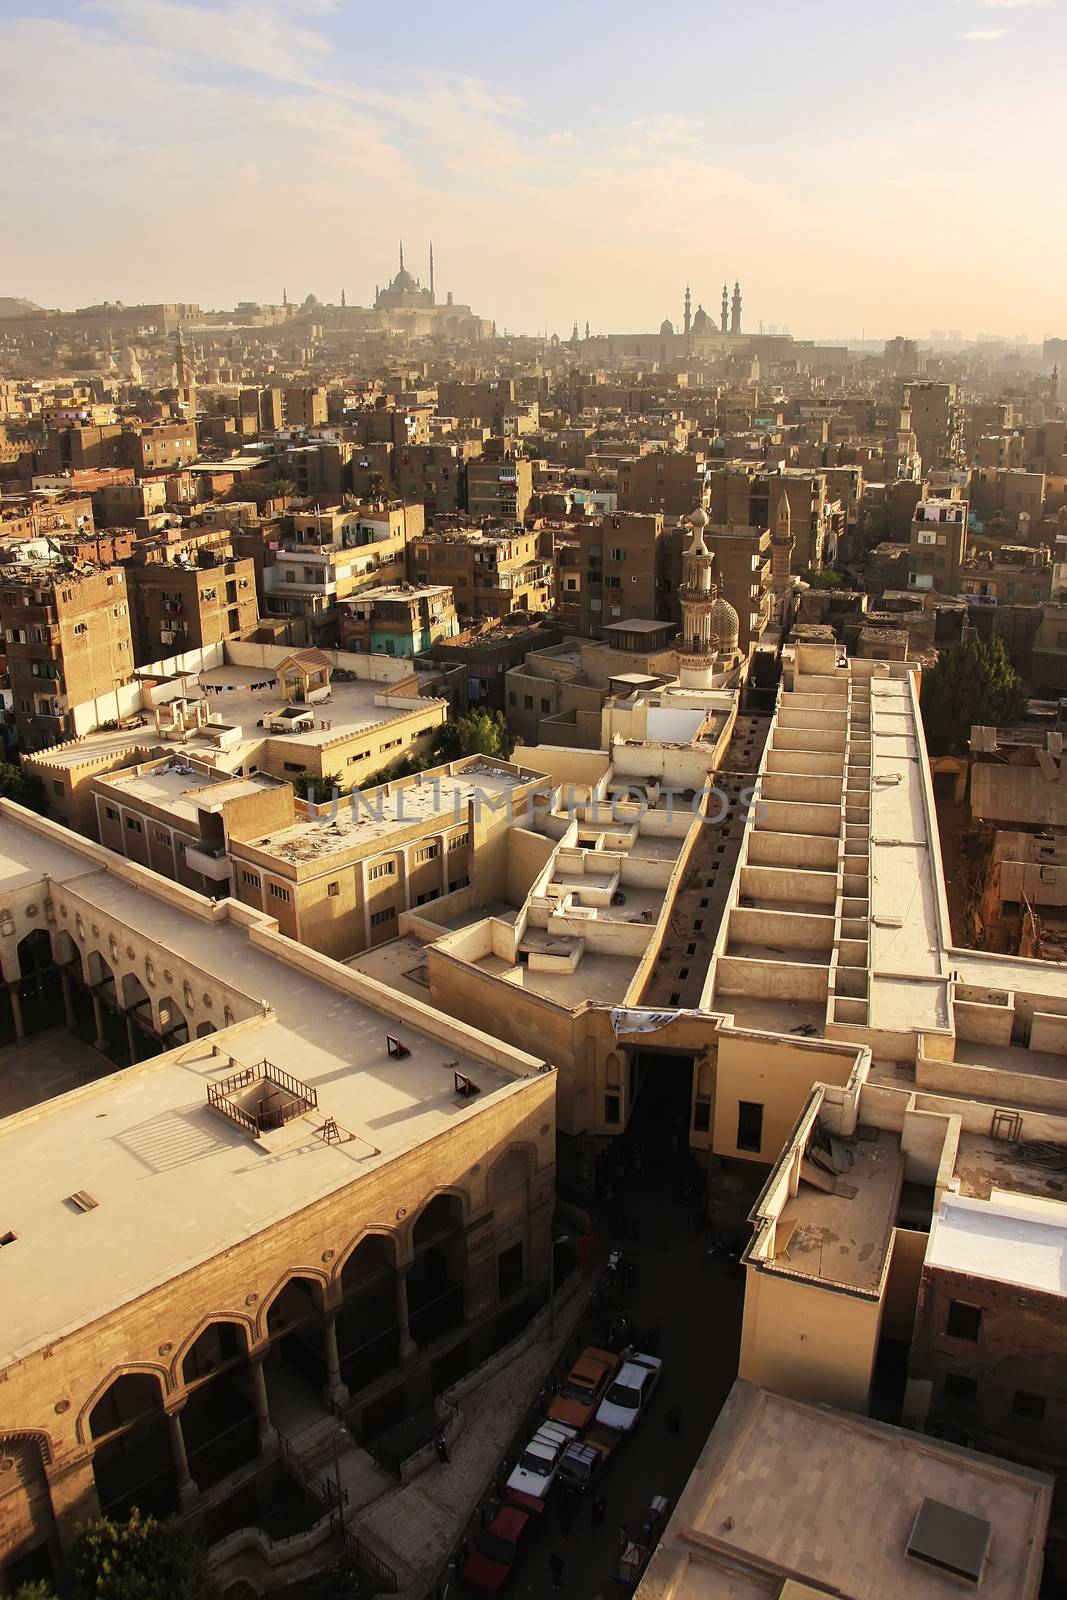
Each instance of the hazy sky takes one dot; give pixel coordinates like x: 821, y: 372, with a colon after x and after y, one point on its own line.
x: 887, y: 165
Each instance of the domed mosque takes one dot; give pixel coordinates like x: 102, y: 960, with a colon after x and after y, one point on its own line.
x: 710, y: 625
x: 405, y: 293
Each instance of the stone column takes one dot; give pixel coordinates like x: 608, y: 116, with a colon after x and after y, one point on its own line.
x: 268, y: 1437
x: 16, y: 1009
x: 408, y: 1349
x: 335, y: 1389
x: 131, y: 1037
x: 98, y: 1018
x: 187, y: 1489
x: 68, y: 999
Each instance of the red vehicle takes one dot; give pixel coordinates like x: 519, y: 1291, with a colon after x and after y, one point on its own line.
x: 488, y: 1567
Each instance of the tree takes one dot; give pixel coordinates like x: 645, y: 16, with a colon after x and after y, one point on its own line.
x: 823, y: 578
x: 478, y: 733
x: 972, y: 683
x: 138, y: 1560
x: 23, y: 787
x: 35, y: 1591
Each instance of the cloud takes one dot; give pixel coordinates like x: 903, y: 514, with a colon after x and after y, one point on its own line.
x: 984, y: 35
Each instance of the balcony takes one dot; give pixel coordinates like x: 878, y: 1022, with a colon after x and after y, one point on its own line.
x: 209, y: 860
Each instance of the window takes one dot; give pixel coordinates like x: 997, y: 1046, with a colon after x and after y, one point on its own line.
x: 749, y: 1125
x: 333, y: 889
x: 964, y: 1321
x: 616, y: 555
x: 251, y: 878
x: 512, y: 697
x: 133, y: 825
x: 1027, y: 1405
x: 278, y: 893
x: 293, y: 766
x: 57, y: 786
x: 702, y: 1115
x: 422, y: 899
x: 611, y: 1108
x: 961, y: 1389
x: 161, y: 836
x: 378, y: 917
x: 527, y: 701
x: 460, y: 883
x: 458, y: 840
x: 427, y: 853
x: 381, y: 869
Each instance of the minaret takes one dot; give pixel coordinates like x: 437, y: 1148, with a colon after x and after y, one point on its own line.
x: 735, y: 316
x: 587, y: 329
x: 709, y: 625
x: 343, y: 301
x: 688, y: 311
x: 401, y: 255
x: 724, y: 317
x: 431, y: 269
x: 181, y: 365
x: 285, y: 297
x: 782, y: 546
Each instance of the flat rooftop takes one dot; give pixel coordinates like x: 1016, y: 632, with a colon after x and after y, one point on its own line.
x: 1017, y: 1239
x: 136, y: 1139
x: 843, y: 1238
x: 598, y: 978
x: 376, y: 814
x: 182, y: 790
x: 781, y: 1488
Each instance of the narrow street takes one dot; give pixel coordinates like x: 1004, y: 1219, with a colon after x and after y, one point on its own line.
x: 695, y: 1302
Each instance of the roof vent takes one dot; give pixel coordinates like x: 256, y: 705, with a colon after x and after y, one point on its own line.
x: 951, y: 1540
x: 82, y: 1200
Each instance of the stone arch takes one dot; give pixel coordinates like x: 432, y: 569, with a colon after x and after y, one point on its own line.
x: 135, y: 997
x: 128, y: 1429
x: 437, y: 1276
x: 446, y: 1192
x: 146, y: 1370
x: 100, y: 974
x: 172, y: 1022
x: 30, y: 1436
x: 246, y: 1324
x: 374, y: 1229
x: 204, y: 1028
x: 311, y: 1274
x: 33, y: 953
x: 368, y: 1308
x: 521, y: 1155
x: 64, y: 950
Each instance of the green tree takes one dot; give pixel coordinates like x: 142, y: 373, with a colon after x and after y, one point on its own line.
x: 823, y: 578
x: 972, y: 683
x: 24, y: 787
x: 35, y: 1591
x: 138, y: 1560
x: 477, y: 733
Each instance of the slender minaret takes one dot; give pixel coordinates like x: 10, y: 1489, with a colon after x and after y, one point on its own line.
x: 735, y: 316
x: 285, y: 297
x: 181, y: 364
x: 709, y: 625
x: 688, y: 311
x: 724, y: 318
x: 343, y: 300
x: 782, y: 546
x: 431, y: 269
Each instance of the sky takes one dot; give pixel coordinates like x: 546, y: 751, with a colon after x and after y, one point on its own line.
x: 862, y: 166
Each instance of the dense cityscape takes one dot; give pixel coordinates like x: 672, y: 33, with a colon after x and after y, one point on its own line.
x: 533, y: 1032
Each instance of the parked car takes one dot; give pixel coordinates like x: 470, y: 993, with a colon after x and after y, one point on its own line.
x: 488, y: 1566
x: 585, y: 1459
x: 630, y: 1393
x: 584, y: 1388
x: 537, y: 1466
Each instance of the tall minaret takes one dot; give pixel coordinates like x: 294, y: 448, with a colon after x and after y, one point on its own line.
x: 343, y: 300
x: 782, y: 546
x: 688, y: 311
x: 182, y: 372
x: 735, y: 317
x: 724, y: 319
x: 709, y: 625
x: 401, y: 255
x: 431, y: 269
x: 285, y: 297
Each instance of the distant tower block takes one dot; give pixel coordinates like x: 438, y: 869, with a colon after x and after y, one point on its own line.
x: 710, y: 625
x: 688, y: 311
x: 735, y: 314
x: 724, y: 321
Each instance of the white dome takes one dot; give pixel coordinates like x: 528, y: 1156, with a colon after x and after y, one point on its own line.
x: 698, y: 518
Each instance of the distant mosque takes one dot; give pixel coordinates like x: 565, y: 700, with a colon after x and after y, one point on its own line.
x: 700, y: 335
x: 405, y: 307
x: 405, y: 293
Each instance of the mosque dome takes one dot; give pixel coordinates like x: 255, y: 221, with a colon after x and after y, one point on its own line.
x: 698, y: 521
x: 701, y: 322
x: 725, y: 626
x: 404, y: 280
x: 666, y: 328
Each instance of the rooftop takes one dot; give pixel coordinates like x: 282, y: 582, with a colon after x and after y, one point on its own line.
x: 184, y: 790
x: 843, y: 1238
x: 750, y: 1520
x: 1019, y: 1239
x: 134, y: 1140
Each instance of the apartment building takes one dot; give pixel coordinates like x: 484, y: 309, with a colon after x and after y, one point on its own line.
x: 179, y: 606
x: 744, y: 577
x: 162, y: 446
x: 668, y: 482
x: 1016, y: 573
x: 342, y: 882
x: 936, y: 417
x: 750, y: 496
x: 304, y: 407
x: 499, y: 487
x: 45, y: 514
x: 938, y: 545
x: 334, y: 554
x: 436, y: 474
x: 68, y: 642
x: 1009, y: 493
x: 398, y: 619
x: 630, y: 566
x: 490, y: 571
x: 410, y: 1158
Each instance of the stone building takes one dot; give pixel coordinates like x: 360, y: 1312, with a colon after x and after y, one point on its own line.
x: 304, y: 1200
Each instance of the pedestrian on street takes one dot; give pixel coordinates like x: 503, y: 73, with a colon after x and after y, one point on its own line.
x: 555, y: 1564
x: 441, y: 1447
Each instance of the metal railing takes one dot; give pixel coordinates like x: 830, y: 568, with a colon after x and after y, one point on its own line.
x: 335, y: 1498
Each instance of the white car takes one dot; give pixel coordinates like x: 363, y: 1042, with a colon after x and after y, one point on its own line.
x: 630, y: 1393
x: 537, y: 1466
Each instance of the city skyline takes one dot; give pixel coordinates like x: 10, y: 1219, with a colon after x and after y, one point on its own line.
x: 580, y: 167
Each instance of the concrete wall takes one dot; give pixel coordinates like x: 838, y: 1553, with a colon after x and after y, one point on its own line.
x: 807, y: 1341
x: 777, y: 1074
